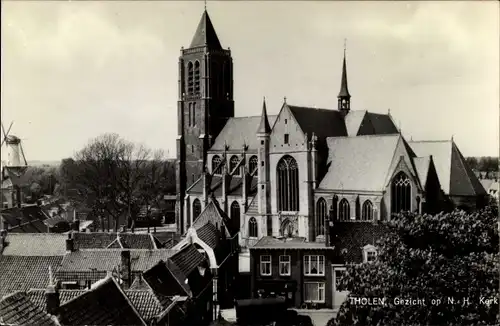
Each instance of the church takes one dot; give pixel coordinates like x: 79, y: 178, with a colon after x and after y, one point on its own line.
x: 276, y: 175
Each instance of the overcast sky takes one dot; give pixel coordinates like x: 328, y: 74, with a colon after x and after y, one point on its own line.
x: 74, y: 70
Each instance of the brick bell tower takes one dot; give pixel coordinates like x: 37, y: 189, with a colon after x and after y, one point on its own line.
x: 205, y: 104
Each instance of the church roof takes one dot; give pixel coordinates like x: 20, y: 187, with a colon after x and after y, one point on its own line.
x: 264, y: 126
x: 205, y: 34
x: 455, y: 176
x: 362, y: 122
x: 344, y: 90
x: 216, y: 216
x: 239, y: 131
x: 323, y: 122
x: 359, y: 163
x: 422, y: 165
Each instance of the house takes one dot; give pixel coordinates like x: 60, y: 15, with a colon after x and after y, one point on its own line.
x: 17, y: 309
x: 24, y: 219
x: 293, y: 269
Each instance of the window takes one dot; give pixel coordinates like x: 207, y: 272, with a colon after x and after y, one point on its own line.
x: 344, y: 210
x: 369, y: 253
x: 189, y: 114
x: 192, y: 114
x: 286, y: 121
x: 288, y: 184
x: 190, y: 78
x: 370, y: 256
x: 235, y: 215
x: 196, y: 208
x: 197, y: 77
x: 286, y: 138
x: 265, y: 265
x: 216, y: 163
x: 314, y: 292
x: 233, y: 163
x: 314, y: 265
x: 367, y: 214
x: 252, y: 164
x: 285, y: 265
x: 252, y: 228
x: 321, y: 211
x: 400, y: 193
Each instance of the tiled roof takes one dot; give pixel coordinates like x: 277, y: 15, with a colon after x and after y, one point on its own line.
x: 322, y: 122
x: 53, y: 221
x: 455, y: 176
x: 15, y: 216
x: 354, y: 236
x: 238, y: 131
x: 17, y: 309
x: 23, y: 273
x: 35, y: 244
x: 95, y: 240
x: 36, y: 226
x: 289, y: 243
x: 209, y: 234
x: 205, y: 34
x: 166, y: 280
x: 187, y: 259
x: 213, y: 214
x: 139, y: 283
x: 105, y: 304
x: 37, y: 296
x: 359, y: 163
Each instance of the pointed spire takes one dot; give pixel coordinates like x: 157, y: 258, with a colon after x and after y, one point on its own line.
x: 205, y: 34
x: 344, y: 90
x: 264, y: 127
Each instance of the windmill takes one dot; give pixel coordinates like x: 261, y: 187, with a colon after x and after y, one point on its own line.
x: 15, y: 169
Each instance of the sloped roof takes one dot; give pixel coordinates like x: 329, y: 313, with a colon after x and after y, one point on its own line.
x: 17, y: 309
x: 422, y: 165
x: 37, y: 296
x: 264, y: 126
x: 455, y: 176
x: 187, y: 259
x: 359, y: 163
x: 322, y: 122
x: 19, y: 273
x: 238, y: 131
x: 353, y: 121
x: 382, y: 123
x: 344, y: 90
x: 268, y: 242
x: 205, y: 34
x: 167, y: 280
x: 216, y: 216
x: 105, y: 304
x: 22, y: 215
x: 35, y: 244
x: 95, y: 240
x: 36, y: 226
x: 209, y: 235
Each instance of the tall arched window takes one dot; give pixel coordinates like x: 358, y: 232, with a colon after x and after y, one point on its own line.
x: 196, y: 208
x: 233, y: 163
x: 288, y: 184
x: 344, y: 210
x: 400, y: 193
x: 357, y: 209
x: 321, y: 211
x: 367, y: 214
x: 215, y: 163
x: 190, y: 77
x: 253, y: 163
x: 235, y: 215
x: 252, y: 228
x: 197, y: 77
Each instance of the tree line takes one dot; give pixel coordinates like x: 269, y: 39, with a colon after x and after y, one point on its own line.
x: 483, y: 164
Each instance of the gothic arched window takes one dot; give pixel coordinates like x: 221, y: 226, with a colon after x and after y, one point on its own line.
x: 288, y: 184
x: 321, y: 211
x: 233, y: 163
x: 344, y: 210
x: 190, y: 78
x: 367, y: 214
x: 215, y: 163
x: 196, y: 208
x: 197, y: 77
x: 252, y: 228
x: 400, y: 193
x: 235, y: 214
x: 253, y: 163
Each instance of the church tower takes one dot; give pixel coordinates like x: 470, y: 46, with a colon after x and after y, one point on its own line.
x: 344, y: 98
x: 205, y: 104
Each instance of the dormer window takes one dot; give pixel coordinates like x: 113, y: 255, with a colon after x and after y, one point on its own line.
x: 369, y: 253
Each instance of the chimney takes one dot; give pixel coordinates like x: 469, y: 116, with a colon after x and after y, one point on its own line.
x: 126, y: 268
x: 52, y: 295
x: 70, y: 246
x: 76, y: 225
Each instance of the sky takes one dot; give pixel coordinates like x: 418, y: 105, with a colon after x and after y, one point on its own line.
x: 74, y: 70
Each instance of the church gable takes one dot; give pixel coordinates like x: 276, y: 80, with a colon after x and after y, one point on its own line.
x: 403, y: 161
x: 287, y: 135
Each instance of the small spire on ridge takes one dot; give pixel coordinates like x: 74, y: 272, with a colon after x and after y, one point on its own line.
x: 264, y: 126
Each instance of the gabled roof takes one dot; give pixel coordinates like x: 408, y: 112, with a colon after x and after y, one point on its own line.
x: 239, y: 131
x: 95, y: 240
x: 36, y: 226
x: 37, y: 296
x: 205, y: 34
x: 322, y: 122
x: 15, y: 216
x: 209, y: 234
x: 382, y: 123
x: 17, y: 309
x: 422, y: 165
x: 359, y: 163
x: 353, y: 121
x: 105, y: 304
x: 268, y: 242
x: 166, y: 280
x: 215, y: 215
x: 19, y: 273
x: 35, y: 244
x: 455, y: 176
x: 187, y: 259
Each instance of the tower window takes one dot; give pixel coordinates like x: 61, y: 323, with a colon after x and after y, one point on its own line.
x: 190, y: 78
x: 286, y: 138
x: 197, y: 77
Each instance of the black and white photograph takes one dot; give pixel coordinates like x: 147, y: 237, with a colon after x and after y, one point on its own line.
x: 250, y: 163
